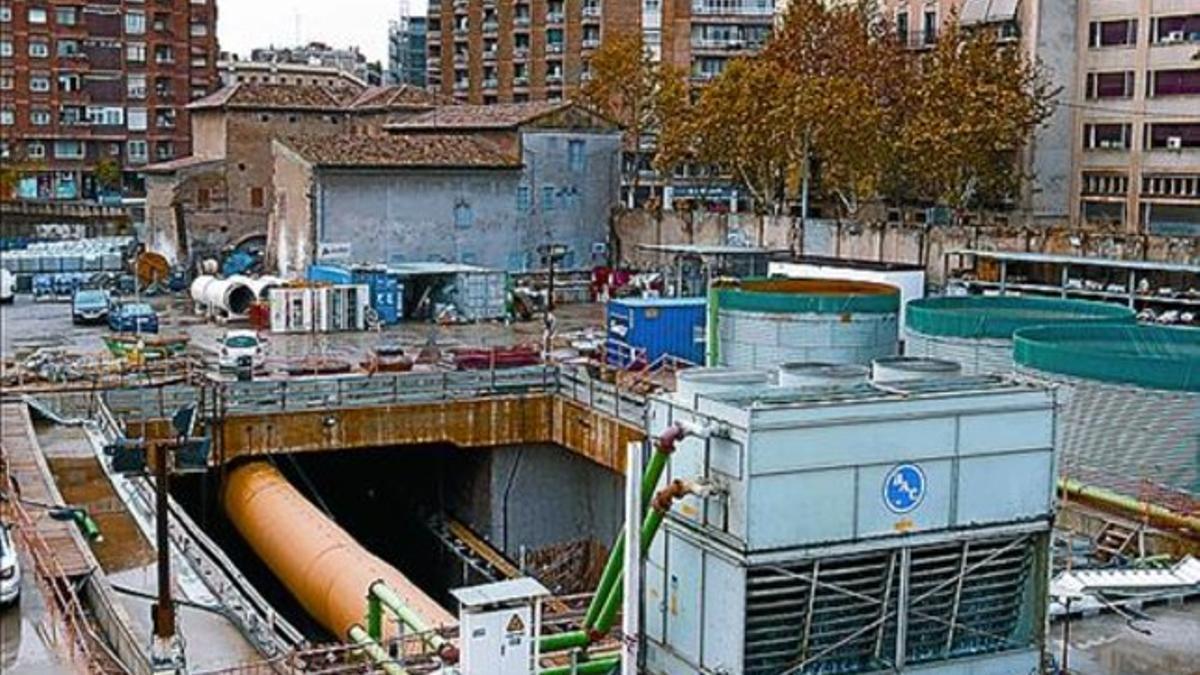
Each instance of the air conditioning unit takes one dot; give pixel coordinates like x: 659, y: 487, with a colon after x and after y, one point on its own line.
x: 1174, y: 37
x: 1174, y: 143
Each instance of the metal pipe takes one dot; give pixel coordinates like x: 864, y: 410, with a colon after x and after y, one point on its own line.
x: 664, y: 445
x: 662, y: 503
x: 1130, y: 506
x: 375, y: 651
x: 597, y: 667
x: 324, y: 568
x: 557, y: 642
x: 390, y: 599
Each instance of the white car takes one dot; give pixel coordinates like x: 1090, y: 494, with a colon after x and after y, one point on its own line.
x: 10, y: 568
x: 241, y: 349
x: 8, y: 286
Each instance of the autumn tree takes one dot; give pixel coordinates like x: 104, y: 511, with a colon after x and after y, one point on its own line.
x: 625, y: 86
x: 108, y: 174
x: 975, y: 104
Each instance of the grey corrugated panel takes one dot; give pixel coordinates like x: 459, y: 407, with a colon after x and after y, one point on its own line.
x: 765, y: 340
x: 978, y: 357
x: 1126, y: 438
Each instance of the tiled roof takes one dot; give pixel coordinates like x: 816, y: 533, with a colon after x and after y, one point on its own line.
x: 402, y: 151
x: 178, y: 164
x: 280, y: 96
x: 398, y: 96
x: 495, y: 116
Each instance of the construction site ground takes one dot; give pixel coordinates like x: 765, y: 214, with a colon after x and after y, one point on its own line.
x: 27, y: 325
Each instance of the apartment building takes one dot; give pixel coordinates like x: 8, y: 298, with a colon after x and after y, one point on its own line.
x: 500, y: 51
x: 1123, y: 145
x: 1136, y: 142
x: 233, y: 71
x: 349, y: 60
x: 406, y: 51
x: 81, y: 83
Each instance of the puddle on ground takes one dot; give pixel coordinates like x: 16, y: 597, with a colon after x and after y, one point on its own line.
x: 82, y: 482
x: 1107, y: 645
x: 25, y: 647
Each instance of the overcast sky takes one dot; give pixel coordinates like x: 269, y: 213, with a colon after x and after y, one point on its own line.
x: 245, y: 24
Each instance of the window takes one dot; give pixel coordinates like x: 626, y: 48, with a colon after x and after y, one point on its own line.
x: 65, y: 16
x: 256, y: 198
x: 165, y: 118
x: 1173, y: 136
x: 135, y: 86
x: 6, y: 48
x: 548, y: 198
x: 69, y: 149
x: 902, y: 26
x: 109, y: 116
x: 39, y: 83
x: 929, y: 28
x: 135, y: 23
x: 198, y: 29
x: 6, y: 82
x: 5, y: 13
x: 1180, y: 29
x: 1110, y: 85
x: 39, y: 117
x: 136, y: 119
x: 464, y: 216
x: 1179, y: 82
x: 67, y: 48
x: 1113, y: 33
x: 522, y: 199
x: 35, y: 149
x: 164, y: 150
x: 136, y: 150
x: 135, y: 52
x: 575, y: 157
x: 164, y: 54
x: 37, y: 15
x: 70, y: 115
x: 39, y: 49
x: 68, y: 82
x: 7, y: 117
x: 1107, y: 136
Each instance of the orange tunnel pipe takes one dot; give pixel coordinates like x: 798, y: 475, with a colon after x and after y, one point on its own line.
x: 323, y: 567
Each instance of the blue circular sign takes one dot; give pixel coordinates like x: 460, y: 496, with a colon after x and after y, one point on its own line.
x: 904, y: 488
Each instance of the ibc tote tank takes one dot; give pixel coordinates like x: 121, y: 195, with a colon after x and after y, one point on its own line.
x: 762, y: 323
x: 977, y: 331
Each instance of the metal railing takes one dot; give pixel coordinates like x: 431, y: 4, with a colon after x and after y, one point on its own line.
x: 602, y: 396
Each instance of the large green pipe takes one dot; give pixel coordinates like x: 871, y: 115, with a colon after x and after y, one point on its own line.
x: 612, y: 603
x: 663, y: 447
x: 413, y: 621
x: 597, y: 667
x: 557, y: 642
x: 375, y: 651
x: 1130, y: 506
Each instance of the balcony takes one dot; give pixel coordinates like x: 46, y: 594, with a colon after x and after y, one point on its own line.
x: 554, y: 78
x: 434, y: 37
x: 724, y: 46
x: 491, y: 26
x: 462, y: 85
x: 520, y: 22
x: 520, y: 53
x: 554, y: 47
x: 554, y: 18
x: 919, y: 39
x: 461, y: 4
x: 490, y: 55
x: 592, y: 12
x: 491, y: 83
x: 461, y: 31
x: 764, y: 10
x: 591, y: 43
x: 521, y: 81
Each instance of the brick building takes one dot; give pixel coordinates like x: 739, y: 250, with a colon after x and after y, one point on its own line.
x: 222, y: 194
x: 81, y: 83
x: 500, y: 51
x: 479, y: 185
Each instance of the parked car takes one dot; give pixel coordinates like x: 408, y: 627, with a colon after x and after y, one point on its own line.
x: 242, y: 349
x: 90, y: 306
x: 10, y: 568
x: 8, y: 286
x: 133, y: 317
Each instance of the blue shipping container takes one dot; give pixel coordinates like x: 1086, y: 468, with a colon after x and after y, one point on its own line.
x: 385, y: 293
x: 329, y: 274
x: 653, y: 327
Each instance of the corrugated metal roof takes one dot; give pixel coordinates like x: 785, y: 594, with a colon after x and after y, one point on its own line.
x: 987, y: 11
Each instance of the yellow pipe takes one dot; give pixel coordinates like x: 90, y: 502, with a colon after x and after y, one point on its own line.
x: 323, y: 567
x: 1129, y: 506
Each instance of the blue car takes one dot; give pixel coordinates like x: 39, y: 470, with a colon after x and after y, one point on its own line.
x: 133, y: 317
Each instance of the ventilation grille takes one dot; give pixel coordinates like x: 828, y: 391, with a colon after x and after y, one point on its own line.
x: 839, y: 615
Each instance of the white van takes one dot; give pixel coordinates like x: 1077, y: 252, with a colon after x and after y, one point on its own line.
x: 8, y: 286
